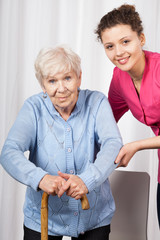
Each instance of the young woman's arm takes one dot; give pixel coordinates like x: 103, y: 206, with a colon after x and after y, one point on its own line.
x: 129, y: 149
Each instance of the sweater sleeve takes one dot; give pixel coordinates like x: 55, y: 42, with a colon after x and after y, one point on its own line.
x: 115, y: 97
x: 22, y: 138
x: 109, y: 140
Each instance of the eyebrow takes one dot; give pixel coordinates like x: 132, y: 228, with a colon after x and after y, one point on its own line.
x: 51, y: 78
x: 119, y: 40
x: 54, y: 78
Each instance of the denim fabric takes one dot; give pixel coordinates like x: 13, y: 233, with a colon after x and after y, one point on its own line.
x: 86, y: 145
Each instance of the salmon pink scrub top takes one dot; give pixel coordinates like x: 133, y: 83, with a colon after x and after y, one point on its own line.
x: 145, y: 107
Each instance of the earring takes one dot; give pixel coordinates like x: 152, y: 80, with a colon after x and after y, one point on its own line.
x: 45, y: 95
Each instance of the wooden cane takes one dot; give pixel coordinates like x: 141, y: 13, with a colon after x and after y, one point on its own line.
x: 44, y: 213
x: 84, y: 202
x: 44, y: 216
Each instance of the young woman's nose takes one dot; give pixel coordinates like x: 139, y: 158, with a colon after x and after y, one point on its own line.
x: 119, y: 50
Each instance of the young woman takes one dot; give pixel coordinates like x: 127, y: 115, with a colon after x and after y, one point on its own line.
x: 135, y: 85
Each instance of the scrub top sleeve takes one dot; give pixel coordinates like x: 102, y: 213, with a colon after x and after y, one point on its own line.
x: 115, y: 97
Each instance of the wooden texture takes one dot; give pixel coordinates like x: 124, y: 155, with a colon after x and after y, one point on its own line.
x: 85, y: 203
x: 44, y: 216
x: 44, y: 213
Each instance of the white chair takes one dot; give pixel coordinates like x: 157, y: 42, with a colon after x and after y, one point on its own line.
x: 131, y: 194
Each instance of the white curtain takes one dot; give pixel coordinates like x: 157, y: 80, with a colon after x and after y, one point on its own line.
x: 28, y: 25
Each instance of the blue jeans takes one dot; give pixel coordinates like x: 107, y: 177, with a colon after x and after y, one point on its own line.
x: 101, y: 233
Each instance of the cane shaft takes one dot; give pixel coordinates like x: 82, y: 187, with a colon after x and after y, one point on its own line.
x: 44, y: 217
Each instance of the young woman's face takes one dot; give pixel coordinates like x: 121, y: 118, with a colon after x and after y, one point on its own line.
x: 62, y: 88
x: 123, y: 47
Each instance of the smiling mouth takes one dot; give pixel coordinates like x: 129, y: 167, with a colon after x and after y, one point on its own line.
x: 62, y: 98
x: 123, y: 60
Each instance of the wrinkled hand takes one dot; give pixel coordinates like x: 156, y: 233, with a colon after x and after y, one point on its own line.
x: 126, y: 153
x: 74, y: 186
x: 51, y: 184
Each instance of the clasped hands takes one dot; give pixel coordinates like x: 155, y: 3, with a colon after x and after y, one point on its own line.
x: 57, y: 185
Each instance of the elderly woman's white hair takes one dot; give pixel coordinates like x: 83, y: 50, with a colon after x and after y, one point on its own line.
x: 51, y: 61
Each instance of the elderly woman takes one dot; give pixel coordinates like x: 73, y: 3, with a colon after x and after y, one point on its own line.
x: 73, y: 142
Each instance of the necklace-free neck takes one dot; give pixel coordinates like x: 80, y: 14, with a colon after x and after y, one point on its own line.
x: 136, y: 73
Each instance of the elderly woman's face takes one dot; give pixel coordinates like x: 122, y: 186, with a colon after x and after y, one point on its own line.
x: 62, y: 88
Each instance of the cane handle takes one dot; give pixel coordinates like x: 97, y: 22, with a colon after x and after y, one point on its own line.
x: 84, y: 202
x: 44, y: 213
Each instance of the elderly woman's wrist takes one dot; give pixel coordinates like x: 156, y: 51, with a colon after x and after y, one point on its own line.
x: 88, y: 181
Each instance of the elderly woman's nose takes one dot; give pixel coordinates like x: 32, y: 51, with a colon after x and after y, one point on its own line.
x: 61, y: 86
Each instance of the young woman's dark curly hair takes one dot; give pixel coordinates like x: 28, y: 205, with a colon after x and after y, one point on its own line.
x: 125, y: 14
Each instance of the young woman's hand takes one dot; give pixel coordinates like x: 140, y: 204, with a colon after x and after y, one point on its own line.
x: 126, y: 153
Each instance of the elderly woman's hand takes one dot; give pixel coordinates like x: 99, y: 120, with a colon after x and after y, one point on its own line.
x: 74, y: 186
x: 51, y: 184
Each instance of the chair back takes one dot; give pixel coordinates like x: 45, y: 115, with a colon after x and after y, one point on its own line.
x: 131, y: 194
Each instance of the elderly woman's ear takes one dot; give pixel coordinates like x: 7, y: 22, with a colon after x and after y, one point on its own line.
x: 43, y: 88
